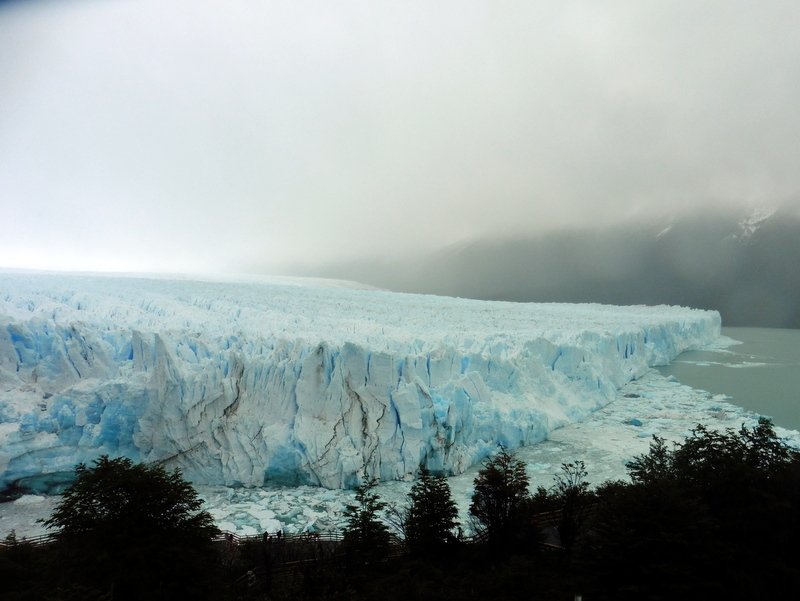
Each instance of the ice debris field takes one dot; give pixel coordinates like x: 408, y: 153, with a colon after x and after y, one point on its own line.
x: 263, y: 390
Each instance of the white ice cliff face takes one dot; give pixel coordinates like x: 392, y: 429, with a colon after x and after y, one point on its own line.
x: 253, y: 382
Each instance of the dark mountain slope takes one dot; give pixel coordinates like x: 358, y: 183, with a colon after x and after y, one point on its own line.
x: 745, y: 266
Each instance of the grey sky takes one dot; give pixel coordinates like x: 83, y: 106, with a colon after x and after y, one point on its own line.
x: 197, y: 135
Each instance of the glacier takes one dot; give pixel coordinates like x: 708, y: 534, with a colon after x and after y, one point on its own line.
x: 606, y: 441
x: 256, y: 381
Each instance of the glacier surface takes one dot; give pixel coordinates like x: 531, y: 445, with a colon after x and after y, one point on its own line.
x: 262, y: 381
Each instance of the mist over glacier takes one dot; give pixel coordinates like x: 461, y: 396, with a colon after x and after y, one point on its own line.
x: 258, y: 381
x: 738, y: 261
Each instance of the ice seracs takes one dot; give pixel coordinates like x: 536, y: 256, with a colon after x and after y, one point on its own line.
x: 252, y: 382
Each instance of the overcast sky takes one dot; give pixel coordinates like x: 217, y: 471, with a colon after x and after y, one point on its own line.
x: 214, y: 136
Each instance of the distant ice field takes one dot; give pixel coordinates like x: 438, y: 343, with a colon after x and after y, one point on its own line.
x: 300, y: 308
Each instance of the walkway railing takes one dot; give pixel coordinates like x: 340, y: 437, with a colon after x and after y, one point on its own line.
x: 547, y: 519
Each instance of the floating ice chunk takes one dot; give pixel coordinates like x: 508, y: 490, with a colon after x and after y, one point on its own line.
x: 226, y: 526
x: 30, y: 500
x: 246, y: 530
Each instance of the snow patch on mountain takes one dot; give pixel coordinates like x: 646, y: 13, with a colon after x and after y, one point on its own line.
x: 751, y: 224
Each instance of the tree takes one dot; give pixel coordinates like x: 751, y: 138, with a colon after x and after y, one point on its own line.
x: 708, y: 456
x: 135, y: 530
x: 365, y: 532
x: 431, y: 515
x: 715, y: 516
x: 570, y: 495
x: 651, y: 542
x: 500, y: 501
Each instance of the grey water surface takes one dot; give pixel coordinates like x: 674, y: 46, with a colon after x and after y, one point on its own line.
x: 761, y: 374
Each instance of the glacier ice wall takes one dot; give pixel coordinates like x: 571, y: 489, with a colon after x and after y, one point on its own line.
x: 248, y: 382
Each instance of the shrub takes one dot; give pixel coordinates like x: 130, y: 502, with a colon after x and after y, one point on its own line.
x: 134, y: 530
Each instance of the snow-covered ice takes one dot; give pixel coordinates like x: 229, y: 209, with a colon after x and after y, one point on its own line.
x: 256, y: 382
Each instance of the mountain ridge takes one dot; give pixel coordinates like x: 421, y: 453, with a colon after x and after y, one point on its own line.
x: 740, y: 263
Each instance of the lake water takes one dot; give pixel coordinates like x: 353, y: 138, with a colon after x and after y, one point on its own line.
x: 761, y: 374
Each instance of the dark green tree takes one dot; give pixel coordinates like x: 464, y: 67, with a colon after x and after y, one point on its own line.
x: 365, y: 532
x: 571, y: 497
x: 430, y: 518
x: 651, y: 542
x: 712, y: 456
x: 501, y: 504
x: 714, y: 516
x: 135, y: 530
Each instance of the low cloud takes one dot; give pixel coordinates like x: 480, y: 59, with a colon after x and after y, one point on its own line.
x: 207, y: 137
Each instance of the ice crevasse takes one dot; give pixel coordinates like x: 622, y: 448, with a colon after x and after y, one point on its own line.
x: 254, y: 381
